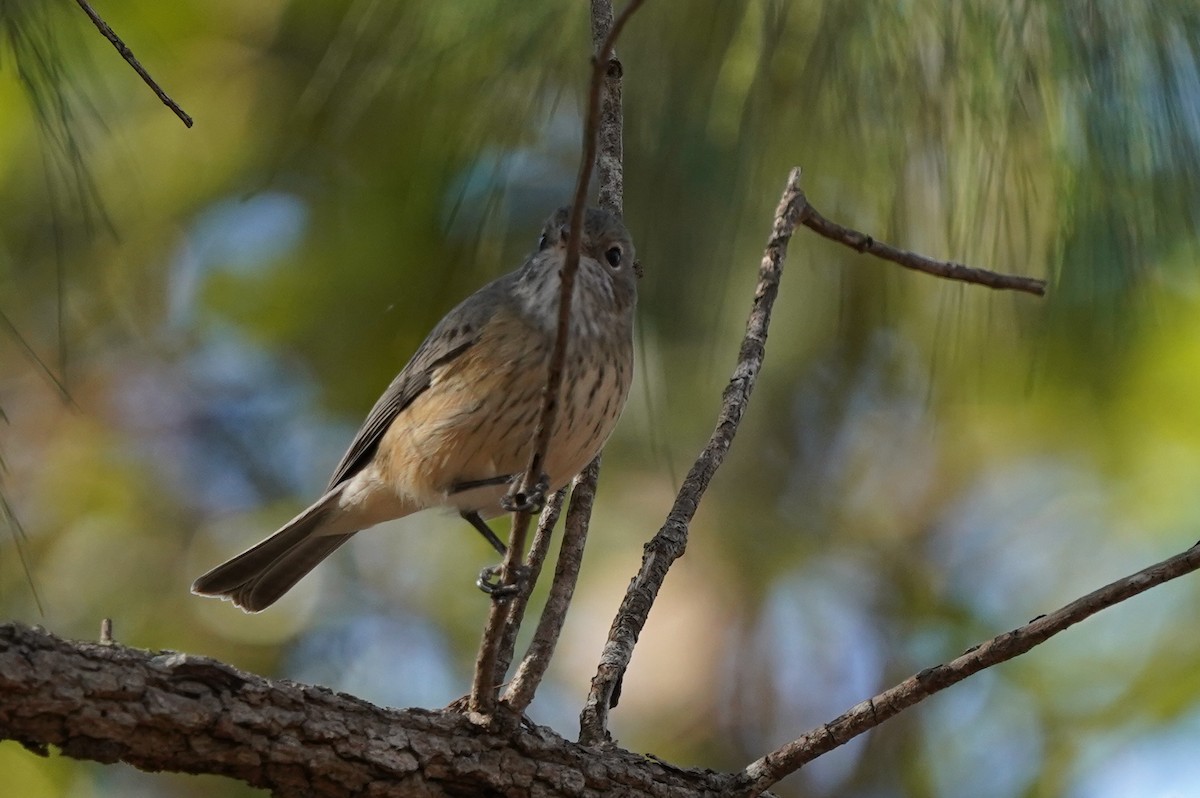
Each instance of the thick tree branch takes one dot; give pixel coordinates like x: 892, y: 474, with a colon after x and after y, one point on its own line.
x: 176, y: 712
x: 870, y: 713
x: 671, y: 540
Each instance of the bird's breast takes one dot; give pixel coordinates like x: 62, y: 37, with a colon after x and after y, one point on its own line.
x: 478, y: 418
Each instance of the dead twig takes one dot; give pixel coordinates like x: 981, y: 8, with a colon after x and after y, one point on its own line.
x: 538, y: 550
x: 861, y: 242
x: 127, y: 54
x: 533, y: 666
x: 484, y: 685
x: 867, y: 715
x: 669, y: 543
x: 609, y: 165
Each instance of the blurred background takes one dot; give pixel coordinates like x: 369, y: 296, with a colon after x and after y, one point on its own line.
x: 194, y: 322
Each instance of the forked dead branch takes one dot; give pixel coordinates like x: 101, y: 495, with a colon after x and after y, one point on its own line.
x: 484, y: 687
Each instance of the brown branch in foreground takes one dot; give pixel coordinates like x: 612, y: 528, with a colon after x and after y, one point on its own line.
x: 610, y: 160
x: 538, y: 550
x: 570, y: 558
x: 533, y: 666
x: 671, y: 540
x: 911, y: 260
x: 166, y: 711
x: 127, y: 54
x: 867, y: 715
x: 483, y: 685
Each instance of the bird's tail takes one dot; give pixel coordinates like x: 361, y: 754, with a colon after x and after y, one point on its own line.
x: 259, y: 576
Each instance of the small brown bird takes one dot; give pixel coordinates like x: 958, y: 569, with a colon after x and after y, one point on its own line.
x: 455, y: 428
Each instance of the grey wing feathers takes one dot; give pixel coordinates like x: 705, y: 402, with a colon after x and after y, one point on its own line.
x: 455, y: 334
x: 398, y: 396
x: 257, y: 577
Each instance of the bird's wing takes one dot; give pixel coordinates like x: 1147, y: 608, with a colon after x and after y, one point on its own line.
x: 454, y: 334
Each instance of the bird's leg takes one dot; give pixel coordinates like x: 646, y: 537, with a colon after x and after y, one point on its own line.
x: 531, y: 502
x: 488, y: 580
x: 472, y: 484
x: 521, y: 502
x: 472, y: 518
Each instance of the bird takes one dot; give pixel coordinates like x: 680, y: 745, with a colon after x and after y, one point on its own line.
x: 456, y: 427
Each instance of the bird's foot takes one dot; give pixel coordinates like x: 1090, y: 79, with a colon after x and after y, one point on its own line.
x: 489, y: 582
x: 528, y: 502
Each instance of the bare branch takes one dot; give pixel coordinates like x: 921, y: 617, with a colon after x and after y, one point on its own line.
x: 166, y: 711
x: 911, y: 260
x: 538, y: 550
x: 127, y: 54
x: 610, y: 160
x: 671, y: 540
x: 169, y: 711
x: 483, y: 686
x: 570, y: 557
x: 867, y: 715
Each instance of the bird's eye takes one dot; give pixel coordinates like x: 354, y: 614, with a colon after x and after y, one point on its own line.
x: 613, y: 256
x: 543, y: 242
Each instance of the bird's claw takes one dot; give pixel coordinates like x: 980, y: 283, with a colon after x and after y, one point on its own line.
x: 489, y: 582
x: 531, y: 502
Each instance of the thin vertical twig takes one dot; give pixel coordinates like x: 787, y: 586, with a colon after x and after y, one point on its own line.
x: 671, y: 540
x: 533, y: 665
x: 610, y: 158
x: 484, y: 686
x: 609, y: 166
x: 538, y: 550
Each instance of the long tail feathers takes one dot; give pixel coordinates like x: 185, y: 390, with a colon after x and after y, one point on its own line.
x: 259, y: 576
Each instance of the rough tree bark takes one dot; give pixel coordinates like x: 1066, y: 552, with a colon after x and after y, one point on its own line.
x: 171, y: 711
